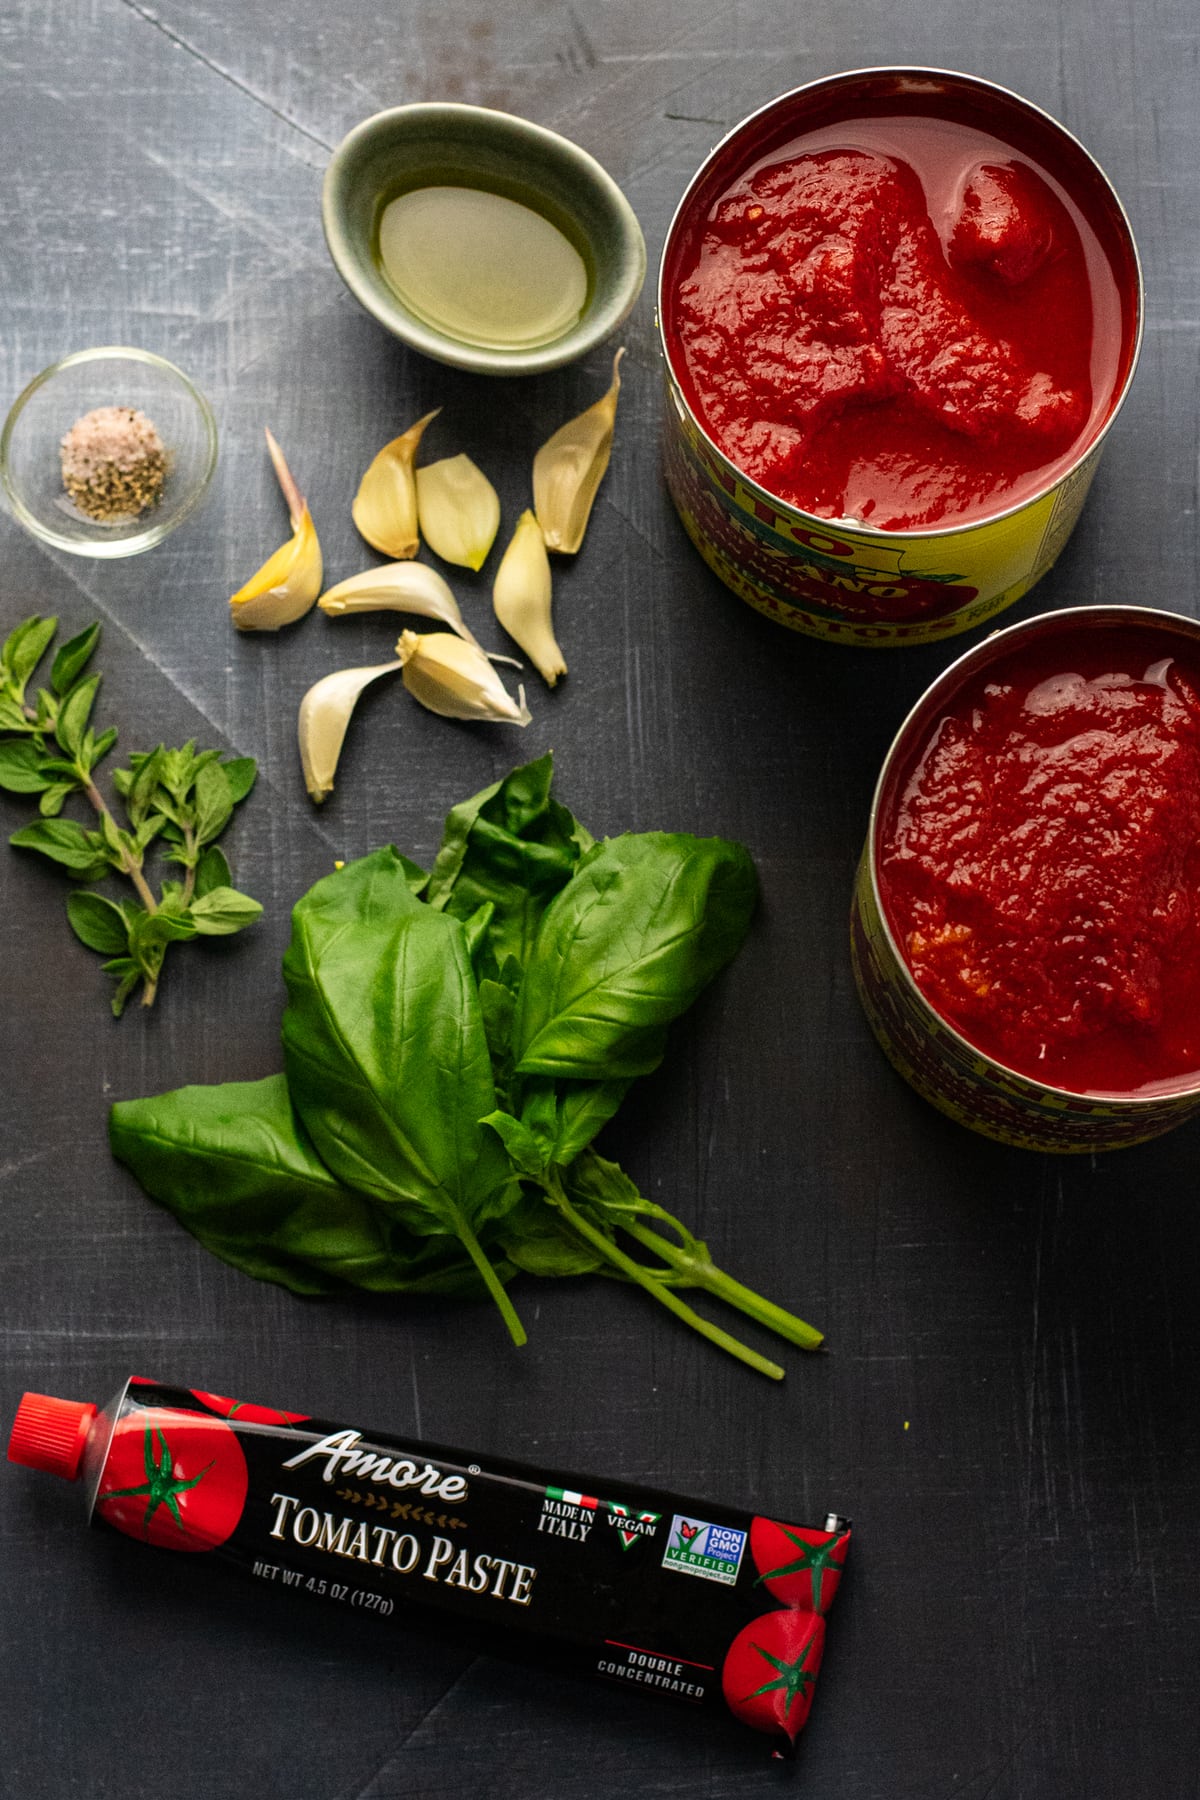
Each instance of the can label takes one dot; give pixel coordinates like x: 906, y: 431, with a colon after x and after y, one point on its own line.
x: 831, y: 580
x: 968, y: 1086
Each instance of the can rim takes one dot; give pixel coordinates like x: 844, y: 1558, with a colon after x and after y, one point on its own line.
x: 918, y: 71
x: 994, y: 645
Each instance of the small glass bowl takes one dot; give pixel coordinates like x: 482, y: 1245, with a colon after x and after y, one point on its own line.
x: 113, y: 375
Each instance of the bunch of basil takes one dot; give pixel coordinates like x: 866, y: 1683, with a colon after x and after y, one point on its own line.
x: 453, y: 1042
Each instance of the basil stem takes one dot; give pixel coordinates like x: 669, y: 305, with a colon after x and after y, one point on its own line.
x: 635, y: 1271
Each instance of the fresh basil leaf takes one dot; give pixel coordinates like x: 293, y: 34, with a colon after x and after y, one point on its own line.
x: 72, y: 658
x: 65, y: 842
x: 240, y: 772
x: 97, y: 923
x: 24, y: 648
x: 20, y: 768
x: 235, y: 1166
x: 511, y: 845
x: 524, y: 1152
x: 222, y: 911
x: 213, y: 802
x: 385, y: 1050
x: 74, y: 713
x: 537, y: 1242
x: 496, y: 1003
x: 476, y: 928
x: 566, y: 1115
x: 604, y: 1184
x: 212, y: 871
x: 645, y: 922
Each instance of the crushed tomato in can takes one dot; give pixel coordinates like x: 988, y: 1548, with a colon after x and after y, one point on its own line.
x: 899, y: 311
x: 689, y: 1600
x: 1025, y: 929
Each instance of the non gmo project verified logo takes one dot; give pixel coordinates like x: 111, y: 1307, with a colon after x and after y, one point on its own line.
x: 714, y: 1552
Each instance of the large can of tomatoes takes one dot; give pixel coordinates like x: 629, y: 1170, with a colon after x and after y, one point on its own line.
x: 1025, y: 927
x: 899, y: 309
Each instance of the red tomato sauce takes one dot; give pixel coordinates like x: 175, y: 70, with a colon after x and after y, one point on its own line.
x: 900, y: 321
x: 1040, y: 866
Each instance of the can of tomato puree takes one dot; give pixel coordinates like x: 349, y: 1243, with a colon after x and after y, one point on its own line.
x: 1044, y: 794
x: 900, y: 309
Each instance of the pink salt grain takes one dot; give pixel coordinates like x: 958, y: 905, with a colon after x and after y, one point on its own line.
x: 113, y: 463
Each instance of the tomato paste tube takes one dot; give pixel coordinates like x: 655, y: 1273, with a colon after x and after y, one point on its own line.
x: 682, y: 1598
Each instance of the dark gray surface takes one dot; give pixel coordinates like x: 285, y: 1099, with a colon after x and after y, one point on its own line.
x: 1009, y: 1410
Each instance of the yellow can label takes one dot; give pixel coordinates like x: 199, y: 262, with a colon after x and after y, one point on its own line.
x: 831, y: 580
x: 967, y: 1085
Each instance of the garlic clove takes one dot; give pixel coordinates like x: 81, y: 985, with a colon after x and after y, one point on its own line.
x: 385, y: 506
x: 284, y: 589
x: 456, y: 680
x: 521, y: 598
x: 459, y: 510
x: 324, y: 716
x: 569, y: 468
x: 411, y: 587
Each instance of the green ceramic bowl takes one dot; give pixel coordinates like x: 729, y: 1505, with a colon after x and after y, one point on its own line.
x: 470, y: 146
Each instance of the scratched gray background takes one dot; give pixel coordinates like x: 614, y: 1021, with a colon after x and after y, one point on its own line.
x: 1009, y: 1410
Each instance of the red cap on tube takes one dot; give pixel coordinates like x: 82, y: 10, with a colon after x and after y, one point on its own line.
x: 50, y: 1434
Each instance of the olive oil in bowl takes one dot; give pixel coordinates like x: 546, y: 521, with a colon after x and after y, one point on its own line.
x: 481, y: 267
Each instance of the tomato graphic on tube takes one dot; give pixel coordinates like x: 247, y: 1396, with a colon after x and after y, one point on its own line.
x: 770, y: 1670
x: 800, y: 1568
x: 174, y: 1479
x: 247, y: 1410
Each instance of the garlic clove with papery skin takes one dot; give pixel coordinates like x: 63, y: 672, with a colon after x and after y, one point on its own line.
x: 458, y: 509
x: 521, y: 598
x: 385, y: 506
x: 288, y: 583
x: 457, y: 680
x: 324, y: 716
x: 569, y: 467
x: 399, y: 587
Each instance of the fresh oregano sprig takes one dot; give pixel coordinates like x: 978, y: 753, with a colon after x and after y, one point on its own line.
x: 182, y: 798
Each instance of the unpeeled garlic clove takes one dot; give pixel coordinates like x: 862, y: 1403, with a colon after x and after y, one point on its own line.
x: 569, y: 468
x: 385, y: 506
x: 285, y: 587
x: 456, y: 679
x: 411, y: 587
x: 324, y: 716
x: 521, y: 598
x: 459, y: 510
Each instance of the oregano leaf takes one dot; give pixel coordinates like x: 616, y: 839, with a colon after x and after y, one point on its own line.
x: 21, y: 768
x: 97, y: 923
x: 73, y: 714
x: 24, y: 648
x: 72, y: 658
